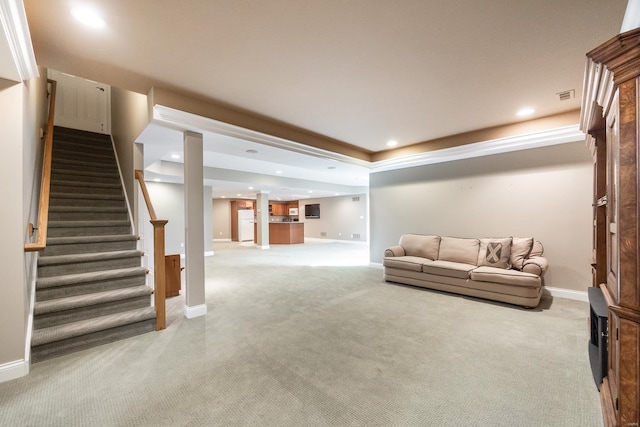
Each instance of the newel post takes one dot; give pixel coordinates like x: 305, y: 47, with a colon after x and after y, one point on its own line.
x: 159, y: 272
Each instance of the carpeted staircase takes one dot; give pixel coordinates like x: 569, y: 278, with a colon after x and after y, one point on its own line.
x: 91, y: 285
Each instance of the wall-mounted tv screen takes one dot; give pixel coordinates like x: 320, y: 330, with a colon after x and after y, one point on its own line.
x: 312, y: 211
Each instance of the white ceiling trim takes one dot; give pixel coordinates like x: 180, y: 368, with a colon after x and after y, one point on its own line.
x: 16, y: 29
x: 556, y: 136
x: 184, y: 121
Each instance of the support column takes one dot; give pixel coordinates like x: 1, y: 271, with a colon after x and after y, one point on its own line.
x: 194, y: 226
x: 262, y: 217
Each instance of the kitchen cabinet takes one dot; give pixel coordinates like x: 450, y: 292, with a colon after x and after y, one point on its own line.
x: 279, y: 209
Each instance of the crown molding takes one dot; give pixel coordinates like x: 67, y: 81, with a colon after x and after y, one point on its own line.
x: 16, y: 30
x: 562, y: 135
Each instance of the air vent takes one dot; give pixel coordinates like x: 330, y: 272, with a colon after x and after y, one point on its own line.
x: 323, y: 234
x: 355, y: 236
x: 566, y: 95
x: 355, y: 199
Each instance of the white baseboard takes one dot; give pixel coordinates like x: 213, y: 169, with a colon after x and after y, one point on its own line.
x: 377, y: 265
x: 208, y: 253
x: 195, y: 311
x: 12, y: 370
x: 221, y: 240
x: 262, y: 246
x: 566, y: 293
x: 322, y: 239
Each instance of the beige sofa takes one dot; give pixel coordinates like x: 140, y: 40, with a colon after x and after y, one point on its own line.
x: 507, y: 269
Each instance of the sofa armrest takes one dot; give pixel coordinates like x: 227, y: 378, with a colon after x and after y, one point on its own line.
x: 394, y: 251
x: 535, y: 265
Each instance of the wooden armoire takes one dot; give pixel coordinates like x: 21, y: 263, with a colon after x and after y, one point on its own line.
x: 611, y: 118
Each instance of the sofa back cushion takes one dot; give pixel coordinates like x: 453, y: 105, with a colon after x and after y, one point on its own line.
x: 420, y: 245
x: 520, y: 250
x: 455, y: 249
x: 537, y: 249
x: 495, y: 252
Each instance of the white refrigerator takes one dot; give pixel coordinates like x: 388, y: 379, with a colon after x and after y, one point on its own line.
x: 245, y: 225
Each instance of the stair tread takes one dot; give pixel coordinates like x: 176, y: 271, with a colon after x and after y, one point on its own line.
x: 58, y: 195
x: 110, y: 209
x: 90, y: 239
x: 92, y: 223
x: 63, y: 151
x: 85, y: 184
x: 87, y: 300
x: 94, y: 276
x: 62, y: 171
x: 87, y: 257
x: 88, y: 326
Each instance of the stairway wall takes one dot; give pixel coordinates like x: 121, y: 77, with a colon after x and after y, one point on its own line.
x: 22, y: 113
x: 129, y: 117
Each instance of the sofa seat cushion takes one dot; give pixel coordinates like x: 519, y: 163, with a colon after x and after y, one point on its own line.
x: 447, y: 268
x: 412, y: 263
x: 507, y: 277
x: 420, y: 245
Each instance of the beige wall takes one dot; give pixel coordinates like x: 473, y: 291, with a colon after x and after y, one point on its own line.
x: 21, y: 114
x: 340, y: 218
x: 221, y: 219
x: 129, y: 117
x: 168, y: 202
x: 544, y: 193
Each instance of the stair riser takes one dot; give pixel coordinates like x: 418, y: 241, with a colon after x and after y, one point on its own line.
x: 80, y: 137
x: 82, y: 166
x: 84, y: 189
x: 53, y: 319
x: 86, y: 267
x: 85, y: 159
x: 87, y: 231
x: 89, y: 287
x: 54, y: 349
x: 81, y: 147
x: 58, y: 176
x: 88, y: 216
x: 76, y: 248
x: 64, y: 201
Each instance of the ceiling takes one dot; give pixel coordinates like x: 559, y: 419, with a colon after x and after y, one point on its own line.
x: 359, y: 72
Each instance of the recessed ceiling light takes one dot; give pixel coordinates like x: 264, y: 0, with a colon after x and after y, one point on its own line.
x: 175, y: 156
x: 250, y: 188
x: 392, y: 143
x: 88, y: 17
x: 310, y: 191
x: 525, y: 112
x: 238, y: 194
x: 278, y: 171
x: 252, y: 151
x: 157, y: 179
x: 337, y: 194
x: 224, y: 197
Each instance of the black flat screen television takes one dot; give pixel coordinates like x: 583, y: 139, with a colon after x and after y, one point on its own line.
x: 312, y: 211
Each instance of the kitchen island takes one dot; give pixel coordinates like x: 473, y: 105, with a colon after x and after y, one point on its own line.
x: 286, y: 233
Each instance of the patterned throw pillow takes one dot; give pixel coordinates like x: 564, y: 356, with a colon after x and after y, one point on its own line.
x: 495, y: 252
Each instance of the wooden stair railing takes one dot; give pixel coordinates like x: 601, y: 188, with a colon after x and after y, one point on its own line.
x: 158, y: 256
x: 43, y: 213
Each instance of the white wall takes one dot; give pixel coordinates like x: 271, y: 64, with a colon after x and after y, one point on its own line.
x: 221, y: 219
x: 545, y: 193
x: 341, y: 218
x: 168, y: 202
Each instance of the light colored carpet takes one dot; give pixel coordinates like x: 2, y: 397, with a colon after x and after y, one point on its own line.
x: 295, y: 337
